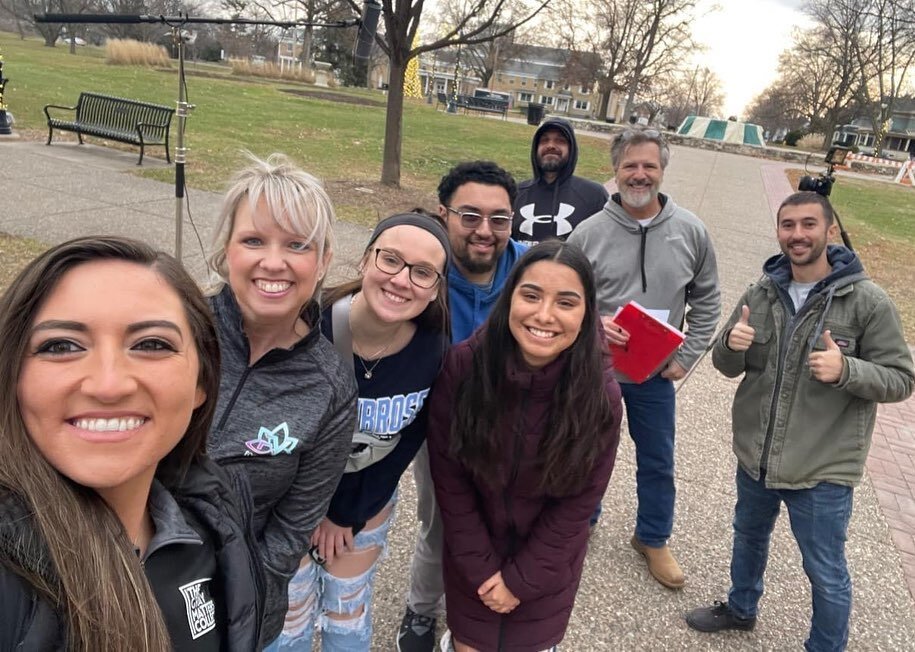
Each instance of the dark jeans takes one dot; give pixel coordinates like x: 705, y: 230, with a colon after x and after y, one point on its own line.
x: 819, y: 520
x: 651, y: 411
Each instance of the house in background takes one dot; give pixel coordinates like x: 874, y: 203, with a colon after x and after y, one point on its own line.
x: 899, y: 142
x: 531, y: 74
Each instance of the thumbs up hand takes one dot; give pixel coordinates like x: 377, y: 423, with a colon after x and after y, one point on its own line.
x: 827, y: 366
x: 741, y: 336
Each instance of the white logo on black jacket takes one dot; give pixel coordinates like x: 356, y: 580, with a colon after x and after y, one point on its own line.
x: 563, y: 227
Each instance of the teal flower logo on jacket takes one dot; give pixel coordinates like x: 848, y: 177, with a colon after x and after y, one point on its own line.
x: 272, y: 442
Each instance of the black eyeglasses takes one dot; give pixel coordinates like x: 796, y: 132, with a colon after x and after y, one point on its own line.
x: 473, y: 220
x: 421, y: 276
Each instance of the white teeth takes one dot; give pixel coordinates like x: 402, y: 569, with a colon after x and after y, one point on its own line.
x: 273, y: 286
x: 393, y: 297
x: 539, y: 333
x: 109, y: 425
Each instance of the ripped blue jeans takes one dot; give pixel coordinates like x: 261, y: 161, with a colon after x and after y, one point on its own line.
x: 313, y: 592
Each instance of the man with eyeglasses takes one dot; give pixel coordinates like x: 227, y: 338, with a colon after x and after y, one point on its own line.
x: 645, y: 248
x: 554, y: 201
x: 475, y: 202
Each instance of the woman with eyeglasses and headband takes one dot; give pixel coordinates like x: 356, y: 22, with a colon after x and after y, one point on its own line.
x: 391, y: 325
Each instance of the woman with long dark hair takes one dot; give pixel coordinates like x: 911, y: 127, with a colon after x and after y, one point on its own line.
x: 524, y: 426
x: 115, y: 532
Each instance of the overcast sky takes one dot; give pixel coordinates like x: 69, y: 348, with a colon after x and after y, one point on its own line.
x: 744, y: 39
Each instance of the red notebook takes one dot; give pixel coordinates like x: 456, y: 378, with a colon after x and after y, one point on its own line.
x: 651, y: 343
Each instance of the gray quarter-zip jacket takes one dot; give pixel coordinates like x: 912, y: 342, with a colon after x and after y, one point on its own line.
x: 286, y: 424
x: 668, y: 265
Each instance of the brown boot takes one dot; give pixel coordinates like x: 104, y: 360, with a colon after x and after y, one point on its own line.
x: 661, y: 564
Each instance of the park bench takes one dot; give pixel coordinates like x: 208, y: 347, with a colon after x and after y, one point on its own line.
x: 470, y: 103
x: 115, y: 118
x: 485, y: 105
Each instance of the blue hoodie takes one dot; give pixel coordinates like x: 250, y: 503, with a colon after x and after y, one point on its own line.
x: 469, y: 303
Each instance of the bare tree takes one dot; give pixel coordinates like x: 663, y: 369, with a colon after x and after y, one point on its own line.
x: 775, y: 110
x: 825, y: 67
x: 635, y: 39
x: 401, y: 20
x: 886, y: 54
x: 688, y: 91
x: 25, y: 10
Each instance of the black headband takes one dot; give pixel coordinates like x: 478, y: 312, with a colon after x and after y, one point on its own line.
x: 426, y: 223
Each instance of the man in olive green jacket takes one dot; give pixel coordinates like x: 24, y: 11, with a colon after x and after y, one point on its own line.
x: 819, y: 345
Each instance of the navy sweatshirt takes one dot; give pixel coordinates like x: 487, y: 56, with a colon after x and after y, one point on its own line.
x: 391, y: 401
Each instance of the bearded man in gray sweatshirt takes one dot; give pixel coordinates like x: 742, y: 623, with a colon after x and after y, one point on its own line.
x: 645, y: 248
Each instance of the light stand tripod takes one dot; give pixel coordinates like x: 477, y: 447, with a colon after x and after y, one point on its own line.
x: 367, y: 26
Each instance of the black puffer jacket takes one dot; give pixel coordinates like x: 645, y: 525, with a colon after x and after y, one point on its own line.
x: 29, y: 622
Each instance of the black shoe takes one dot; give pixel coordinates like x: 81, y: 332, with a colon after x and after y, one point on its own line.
x: 717, y: 618
x: 417, y: 633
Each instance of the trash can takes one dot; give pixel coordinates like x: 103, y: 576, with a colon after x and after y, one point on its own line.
x: 534, y: 113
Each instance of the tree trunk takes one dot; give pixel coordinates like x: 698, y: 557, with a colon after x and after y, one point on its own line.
x: 393, y: 127
x: 72, y: 43
x: 604, y: 103
x: 630, y: 100
x: 307, y: 40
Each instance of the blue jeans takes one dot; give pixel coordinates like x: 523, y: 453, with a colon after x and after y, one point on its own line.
x: 313, y: 592
x: 819, y: 521
x: 651, y: 411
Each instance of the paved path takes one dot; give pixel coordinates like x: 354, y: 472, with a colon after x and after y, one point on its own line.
x: 54, y: 193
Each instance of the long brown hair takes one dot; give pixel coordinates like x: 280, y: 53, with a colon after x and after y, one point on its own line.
x: 100, y: 588
x: 580, y: 413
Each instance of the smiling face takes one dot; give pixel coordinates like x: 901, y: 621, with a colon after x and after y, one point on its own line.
x: 476, y: 251
x: 547, y: 310
x: 110, y: 376
x: 272, y: 272
x: 395, y: 298
x: 803, y: 235
x: 638, y: 178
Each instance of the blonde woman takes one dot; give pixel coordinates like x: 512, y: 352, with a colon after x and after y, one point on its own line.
x: 287, y: 403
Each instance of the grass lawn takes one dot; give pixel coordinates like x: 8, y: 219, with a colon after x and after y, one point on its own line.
x: 340, y: 141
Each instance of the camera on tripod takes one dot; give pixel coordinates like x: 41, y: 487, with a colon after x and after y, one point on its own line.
x: 822, y: 185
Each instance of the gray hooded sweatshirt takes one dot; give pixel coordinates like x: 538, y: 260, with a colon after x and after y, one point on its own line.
x: 668, y: 265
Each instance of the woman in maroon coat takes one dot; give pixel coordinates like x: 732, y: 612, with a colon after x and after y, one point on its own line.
x: 524, y: 426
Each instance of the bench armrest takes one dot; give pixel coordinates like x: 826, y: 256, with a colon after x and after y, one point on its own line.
x: 157, y: 125
x: 57, y: 106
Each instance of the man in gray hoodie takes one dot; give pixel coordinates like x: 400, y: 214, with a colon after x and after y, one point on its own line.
x: 645, y: 248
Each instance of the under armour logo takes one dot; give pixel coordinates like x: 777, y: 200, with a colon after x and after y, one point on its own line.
x: 561, y: 219
x: 272, y: 442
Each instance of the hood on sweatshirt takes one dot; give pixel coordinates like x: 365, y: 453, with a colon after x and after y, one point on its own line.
x: 564, y: 127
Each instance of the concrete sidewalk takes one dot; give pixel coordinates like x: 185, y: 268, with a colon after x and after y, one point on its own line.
x: 54, y: 193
